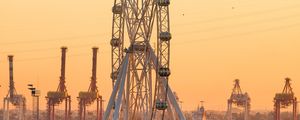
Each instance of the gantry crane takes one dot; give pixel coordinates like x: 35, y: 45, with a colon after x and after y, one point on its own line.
x: 12, y: 97
x: 55, y: 98
x: 285, y: 99
x: 86, y: 98
x: 239, y: 99
x: 138, y: 70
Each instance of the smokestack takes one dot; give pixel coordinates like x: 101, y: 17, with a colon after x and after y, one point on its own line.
x: 11, y: 76
x: 94, y: 70
x: 62, y: 87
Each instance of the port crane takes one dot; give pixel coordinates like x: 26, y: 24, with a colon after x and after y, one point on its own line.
x: 87, y: 98
x: 54, y: 98
x: 17, y: 100
x: 285, y: 99
x: 239, y: 99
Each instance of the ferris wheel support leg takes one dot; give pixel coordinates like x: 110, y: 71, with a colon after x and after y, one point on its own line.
x: 170, y: 112
x: 173, y: 101
x: 120, y: 93
x: 126, y: 114
x: 170, y: 94
x: 111, y: 102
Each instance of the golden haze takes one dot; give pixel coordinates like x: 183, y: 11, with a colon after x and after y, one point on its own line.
x: 215, y: 42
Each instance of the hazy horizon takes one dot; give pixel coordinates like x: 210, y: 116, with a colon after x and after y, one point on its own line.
x: 214, y: 42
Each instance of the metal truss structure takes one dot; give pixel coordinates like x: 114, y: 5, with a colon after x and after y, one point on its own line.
x: 285, y: 99
x: 87, y: 98
x: 239, y: 99
x: 139, y: 75
x: 13, y: 98
x: 54, y: 98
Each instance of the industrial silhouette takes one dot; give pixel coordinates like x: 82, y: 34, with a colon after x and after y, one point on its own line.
x: 239, y: 99
x: 55, y: 98
x: 17, y: 100
x: 88, y: 98
x: 284, y: 99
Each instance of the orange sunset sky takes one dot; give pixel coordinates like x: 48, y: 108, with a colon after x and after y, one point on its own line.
x: 214, y: 42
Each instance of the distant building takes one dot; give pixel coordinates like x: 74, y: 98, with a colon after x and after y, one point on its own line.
x: 199, y: 114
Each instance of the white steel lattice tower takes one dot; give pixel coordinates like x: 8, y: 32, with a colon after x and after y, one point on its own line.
x: 139, y: 75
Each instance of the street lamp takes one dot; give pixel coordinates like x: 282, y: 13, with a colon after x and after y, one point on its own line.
x: 35, y: 95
